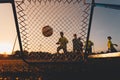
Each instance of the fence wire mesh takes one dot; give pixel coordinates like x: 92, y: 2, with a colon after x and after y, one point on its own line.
x: 68, y: 16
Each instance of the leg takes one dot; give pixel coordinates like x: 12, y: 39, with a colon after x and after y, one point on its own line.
x: 65, y: 50
x: 58, y: 49
x: 113, y: 50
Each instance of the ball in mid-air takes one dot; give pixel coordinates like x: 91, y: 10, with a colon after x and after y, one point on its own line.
x: 47, y: 31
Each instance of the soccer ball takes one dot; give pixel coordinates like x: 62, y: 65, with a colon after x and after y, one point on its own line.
x: 47, y: 31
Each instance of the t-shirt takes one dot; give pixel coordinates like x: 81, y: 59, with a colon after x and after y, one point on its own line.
x: 77, y: 43
x: 63, y: 41
x: 109, y: 44
x: 90, y: 44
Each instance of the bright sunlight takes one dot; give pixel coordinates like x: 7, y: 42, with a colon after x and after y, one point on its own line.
x: 5, y: 48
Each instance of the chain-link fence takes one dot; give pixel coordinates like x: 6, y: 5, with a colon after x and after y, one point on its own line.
x: 67, y: 16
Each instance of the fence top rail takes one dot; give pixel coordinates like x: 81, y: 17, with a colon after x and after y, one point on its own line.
x: 6, y: 1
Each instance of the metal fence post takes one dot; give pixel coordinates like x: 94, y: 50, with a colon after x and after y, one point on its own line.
x: 17, y: 28
x: 89, y: 27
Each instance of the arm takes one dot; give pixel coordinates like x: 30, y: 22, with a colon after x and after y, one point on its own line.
x: 115, y: 45
x: 58, y: 42
x: 66, y: 40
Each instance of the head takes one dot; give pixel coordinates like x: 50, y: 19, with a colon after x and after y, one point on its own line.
x: 61, y: 34
x: 109, y: 38
x: 79, y: 38
x: 75, y: 35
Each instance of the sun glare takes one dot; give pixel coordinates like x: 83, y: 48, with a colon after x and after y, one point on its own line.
x: 5, y: 48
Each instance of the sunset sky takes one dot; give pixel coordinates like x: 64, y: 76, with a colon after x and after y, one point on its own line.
x: 7, y: 28
x: 106, y: 22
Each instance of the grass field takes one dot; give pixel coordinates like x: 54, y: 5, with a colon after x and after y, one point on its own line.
x: 19, y: 70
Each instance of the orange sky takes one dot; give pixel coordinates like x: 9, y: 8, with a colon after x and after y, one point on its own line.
x: 7, y: 28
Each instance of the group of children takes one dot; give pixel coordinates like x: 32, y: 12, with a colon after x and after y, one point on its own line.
x: 78, y: 44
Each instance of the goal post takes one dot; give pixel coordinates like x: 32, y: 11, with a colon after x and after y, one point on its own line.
x: 5, y: 1
x: 68, y: 16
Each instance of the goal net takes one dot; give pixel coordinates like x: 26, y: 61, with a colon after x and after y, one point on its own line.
x: 67, y: 16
